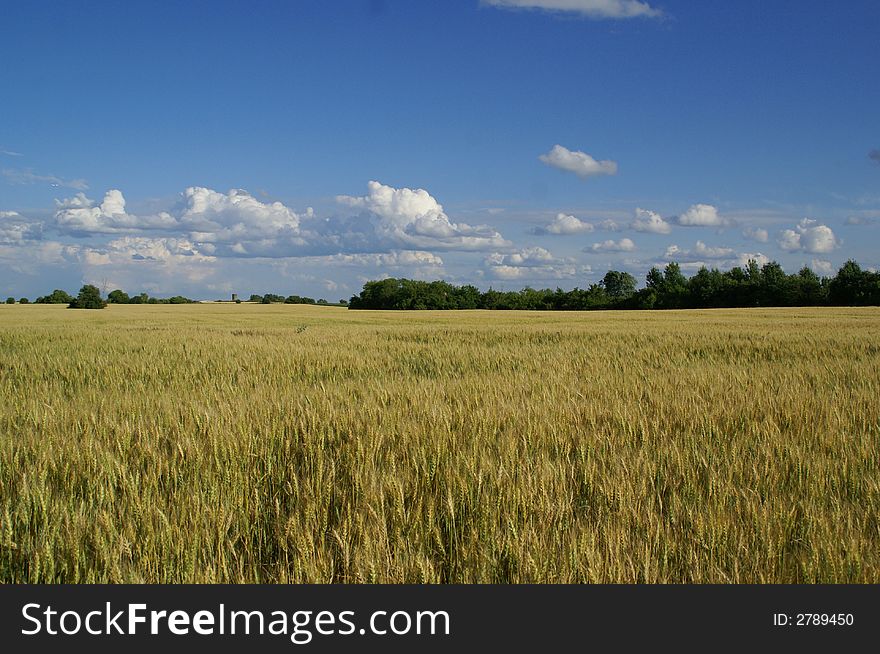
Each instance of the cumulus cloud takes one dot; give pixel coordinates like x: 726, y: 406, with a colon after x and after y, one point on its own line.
x: 413, y: 218
x: 589, y: 8
x: 701, y: 215
x: 808, y: 236
x: 27, y: 176
x: 81, y: 216
x: 577, y: 162
x: 533, y: 263
x: 237, y: 219
x: 623, y: 245
x: 648, y: 221
x: 758, y: 234
x: 566, y: 224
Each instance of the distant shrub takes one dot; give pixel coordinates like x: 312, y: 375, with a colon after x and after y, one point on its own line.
x: 118, y: 297
x: 298, y: 299
x: 56, y: 297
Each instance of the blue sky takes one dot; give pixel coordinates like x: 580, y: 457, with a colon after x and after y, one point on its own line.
x: 304, y: 147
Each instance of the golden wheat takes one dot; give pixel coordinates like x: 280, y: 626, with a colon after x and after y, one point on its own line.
x: 252, y: 443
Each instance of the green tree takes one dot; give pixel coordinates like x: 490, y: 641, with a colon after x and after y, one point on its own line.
x: 89, y: 298
x: 774, y: 286
x: 118, y: 297
x: 24, y: 300
x: 809, y: 288
x: 849, y: 285
x: 619, y: 285
x: 10, y: 300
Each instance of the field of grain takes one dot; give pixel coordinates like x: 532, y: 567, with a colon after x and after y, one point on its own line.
x: 255, y: 443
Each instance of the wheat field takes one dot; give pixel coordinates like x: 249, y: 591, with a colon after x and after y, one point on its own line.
x: 282, y: 443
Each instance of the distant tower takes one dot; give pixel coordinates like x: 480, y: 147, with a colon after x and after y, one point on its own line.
x: 234, y: 297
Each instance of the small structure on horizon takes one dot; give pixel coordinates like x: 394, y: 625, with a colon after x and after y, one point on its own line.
x: 234, y: 297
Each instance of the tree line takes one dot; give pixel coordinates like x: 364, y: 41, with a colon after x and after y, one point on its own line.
x: 89, y: 297
x: 749, y: 286
x: 274, y: 298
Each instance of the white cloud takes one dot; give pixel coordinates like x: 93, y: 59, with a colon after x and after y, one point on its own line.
x: 808, y: 236
x: 525, y: 257
x: 396, y: 259
x: 701, y: 215
x: 699, y: 254
x: 743, y: 259
x: 80, y: 215
x: 35, y: 257
x: 610, y: 225
x: 237, y: 218
x: 566, y: 224
x: 588, y: 8
x: 673, y: 251
x: 577, y: 162
x: 140, y: 248
x: 649, y: 221
x: 139, y: 262
x: 534, y: 263
x: 822, y: 267
x: 756, y: 234
x: 413, y: 218
x: 235, y: 222
x: 15, y: 228
x: 703, y: 250
x: 623, y: 245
